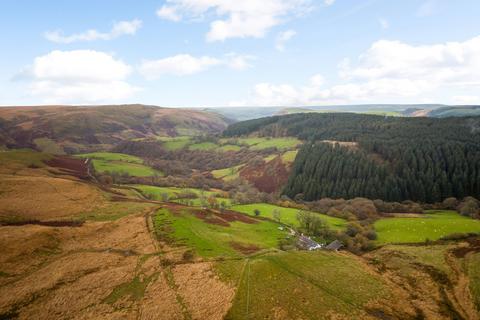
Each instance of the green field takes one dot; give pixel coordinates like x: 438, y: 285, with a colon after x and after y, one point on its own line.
x: 229, y: 147
x: 289, y: 156
x: 227, y: 173
x: 197, y: 202
x: 173, y: 193
x: 203, y: 146
x: 120, y: 163
x: 321, y: 282
x: 265, y: 143
x: 288, y: 215
x: 175, y: 143
x: 110, y: 156
x: 211, y: 240
x: 432, y: 226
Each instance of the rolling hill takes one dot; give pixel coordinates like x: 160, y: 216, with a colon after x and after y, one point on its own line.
x: 71, y: 129
x: 399, y: 110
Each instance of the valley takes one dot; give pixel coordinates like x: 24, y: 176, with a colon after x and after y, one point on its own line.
x: 205, y: 225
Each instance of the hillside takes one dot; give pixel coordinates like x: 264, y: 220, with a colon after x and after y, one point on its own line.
x: 71, y: 129
x: 419, y: 159
x: 399, y: 110
x: 77, y: 249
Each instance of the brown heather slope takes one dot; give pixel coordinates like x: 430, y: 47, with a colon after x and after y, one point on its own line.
x: 83, y: 128
x: 109, y: 267
x: 114, y: 267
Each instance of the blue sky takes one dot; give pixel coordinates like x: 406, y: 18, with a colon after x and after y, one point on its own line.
x: 193, y: 53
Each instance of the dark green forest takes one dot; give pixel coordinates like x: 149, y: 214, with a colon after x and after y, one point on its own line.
x: 419, y: 159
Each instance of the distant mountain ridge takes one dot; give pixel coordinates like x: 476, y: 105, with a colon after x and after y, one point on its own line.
x: 72, y: 129
x: 400, y: 110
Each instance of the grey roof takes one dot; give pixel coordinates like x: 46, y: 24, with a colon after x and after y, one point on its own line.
x: 307, y: 242
x: 335, y: 245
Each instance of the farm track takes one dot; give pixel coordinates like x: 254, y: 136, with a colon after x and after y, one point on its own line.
x: 460, y: 295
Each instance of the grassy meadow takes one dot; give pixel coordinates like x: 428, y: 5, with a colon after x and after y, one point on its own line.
x: 288, y: 215
x: 227, y: 174
x: 211, y: 240
x: 120, y: 163
x: 323, y: 281
x: 432, y: 226
x: 175, y: 143
x: 173, y: 193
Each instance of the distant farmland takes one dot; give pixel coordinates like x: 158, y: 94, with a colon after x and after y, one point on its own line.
x: 120, y: 163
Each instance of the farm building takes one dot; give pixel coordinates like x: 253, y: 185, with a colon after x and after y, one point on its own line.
x: 334, y: 246
x: 306, y: 243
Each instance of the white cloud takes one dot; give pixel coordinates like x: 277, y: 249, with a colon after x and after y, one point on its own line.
x: 179, y: 65
x: 185, y: 64
x: 283, y: 38
x: 119, y: 29
x: 329, y: 2
x: 169, y: 13
x: 79, y: 76
x: 389, y: 71
x: 235, y: 19
x: 384, y: 23
x: 317, y: 80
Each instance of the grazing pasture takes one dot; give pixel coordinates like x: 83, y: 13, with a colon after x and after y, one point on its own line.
x: 203, y: 146
x: 324, y: 282
x: 211, y: 236
x: 156, y: 193
x: 111, y: 156
x: 288, y: 215
x: 120, y: 163
x: 265, y: 143
x: 289, y: 156
x: 197, y: 202
x: 227, y: 173
x: 431, y: 226
x: 175, y: 143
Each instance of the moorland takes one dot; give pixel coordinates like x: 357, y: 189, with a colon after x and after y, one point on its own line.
x: 141, y: 212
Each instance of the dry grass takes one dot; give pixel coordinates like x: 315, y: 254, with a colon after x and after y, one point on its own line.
x: 44, y: 197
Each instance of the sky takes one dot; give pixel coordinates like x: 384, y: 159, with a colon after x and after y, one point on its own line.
x: 206, y: 53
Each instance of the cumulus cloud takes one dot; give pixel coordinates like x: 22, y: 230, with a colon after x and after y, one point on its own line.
x: 388, y: 71
x: 283, y: 38
x: 78, y: 76
x: 185, y: 64
x: 235, y: 19
x: 119, y: 29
